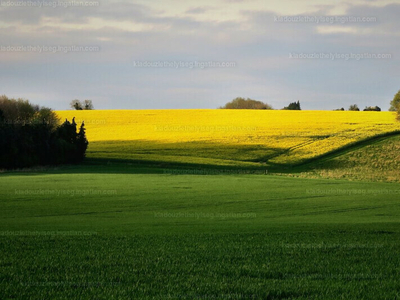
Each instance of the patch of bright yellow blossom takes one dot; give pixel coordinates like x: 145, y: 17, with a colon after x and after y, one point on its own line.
x: 294, y: 135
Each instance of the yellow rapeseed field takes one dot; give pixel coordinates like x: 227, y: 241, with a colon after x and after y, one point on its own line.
x: 226, y: 136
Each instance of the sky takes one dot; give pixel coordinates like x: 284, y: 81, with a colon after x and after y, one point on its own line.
x: 184, y: 54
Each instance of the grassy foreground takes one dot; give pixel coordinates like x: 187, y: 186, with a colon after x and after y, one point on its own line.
x: 337, y: 264
x: 134, y: 233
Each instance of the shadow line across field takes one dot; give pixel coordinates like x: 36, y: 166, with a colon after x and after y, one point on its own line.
x: 97, y: 164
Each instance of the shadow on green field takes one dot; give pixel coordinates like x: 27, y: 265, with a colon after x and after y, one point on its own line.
x: 203, y: 158
x: 196, y: 152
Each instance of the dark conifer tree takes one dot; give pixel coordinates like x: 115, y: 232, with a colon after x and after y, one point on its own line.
x: 82, y: 142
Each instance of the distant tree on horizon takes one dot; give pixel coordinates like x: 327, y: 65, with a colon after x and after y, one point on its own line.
x: 354, y: 107
x: 76, y: 104
x: 372, y: 108
x: 88, y: 105
x: 293, y: 106
x: 82, y: 105
x: 242, y: 103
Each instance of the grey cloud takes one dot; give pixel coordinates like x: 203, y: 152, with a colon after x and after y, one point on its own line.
x: 247, y: 41
x: 77, y: 14
x: 197, y: 10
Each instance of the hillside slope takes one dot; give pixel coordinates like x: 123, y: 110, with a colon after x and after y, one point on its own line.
x: 240, y: 138
x: 373, y: 161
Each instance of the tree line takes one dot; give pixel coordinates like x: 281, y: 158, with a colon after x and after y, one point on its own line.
x: 243, y: 103
x: 354, y: 107
x: 31, y: 135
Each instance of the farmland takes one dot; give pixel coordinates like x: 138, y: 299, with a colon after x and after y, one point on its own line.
x: 171, y: 150
x: 123, y: 232
x: 226, y: 137
x: 138, y: 221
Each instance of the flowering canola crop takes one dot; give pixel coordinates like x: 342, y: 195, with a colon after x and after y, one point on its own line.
x: 226, y: 137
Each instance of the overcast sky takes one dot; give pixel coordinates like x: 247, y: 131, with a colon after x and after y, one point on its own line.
x: 124, y: 55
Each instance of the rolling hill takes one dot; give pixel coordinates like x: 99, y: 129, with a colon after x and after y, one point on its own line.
x: 235, y: 138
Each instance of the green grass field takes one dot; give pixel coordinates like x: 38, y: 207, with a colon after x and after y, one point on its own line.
x: 128, y: 232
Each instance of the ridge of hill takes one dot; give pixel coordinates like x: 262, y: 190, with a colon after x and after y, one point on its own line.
x: 375, y: 159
